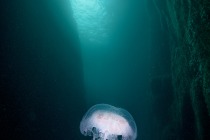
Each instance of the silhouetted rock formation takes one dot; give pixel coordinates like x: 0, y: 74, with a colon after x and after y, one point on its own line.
x: 41, y: 83
x: 187, y: 25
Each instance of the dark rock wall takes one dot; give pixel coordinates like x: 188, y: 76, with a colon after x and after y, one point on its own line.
x: 41, y: 81
x: 187, y: 26
x: 190, y: 56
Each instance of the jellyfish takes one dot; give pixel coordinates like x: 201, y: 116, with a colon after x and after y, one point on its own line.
x: 106, y: 122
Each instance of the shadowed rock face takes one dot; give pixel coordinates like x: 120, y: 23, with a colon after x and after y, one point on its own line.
x: 186, y: 23
x: 41, y: 90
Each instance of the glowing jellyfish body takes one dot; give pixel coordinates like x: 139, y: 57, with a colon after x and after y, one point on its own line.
x: 106, y: 122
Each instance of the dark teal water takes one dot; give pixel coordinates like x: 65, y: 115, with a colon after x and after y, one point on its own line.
x: 58, y: 58
x: 114, y: 37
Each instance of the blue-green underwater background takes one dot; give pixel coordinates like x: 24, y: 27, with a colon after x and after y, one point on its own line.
x: 60, y: 57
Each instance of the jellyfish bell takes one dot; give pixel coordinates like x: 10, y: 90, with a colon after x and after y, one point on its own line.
x: 106, y: 122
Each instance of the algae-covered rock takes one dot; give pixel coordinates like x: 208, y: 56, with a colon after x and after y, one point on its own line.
x: 188, y: 28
